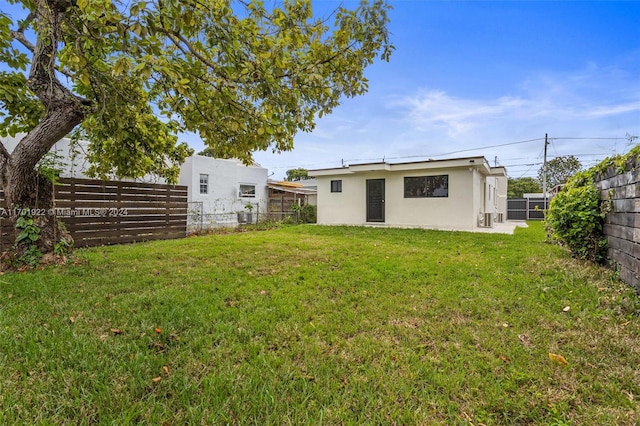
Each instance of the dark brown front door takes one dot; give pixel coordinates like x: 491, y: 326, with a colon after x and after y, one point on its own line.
x: 375, y: 200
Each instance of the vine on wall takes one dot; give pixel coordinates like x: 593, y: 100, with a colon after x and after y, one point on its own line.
x: 576, y: 215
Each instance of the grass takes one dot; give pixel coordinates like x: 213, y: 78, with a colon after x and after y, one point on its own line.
x: 321, y: 325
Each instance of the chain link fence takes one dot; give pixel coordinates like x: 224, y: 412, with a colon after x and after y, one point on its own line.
x: 199, y: 220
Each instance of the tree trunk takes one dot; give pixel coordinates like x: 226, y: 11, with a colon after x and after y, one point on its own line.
x: 28, y: 192
x: 32, y: 195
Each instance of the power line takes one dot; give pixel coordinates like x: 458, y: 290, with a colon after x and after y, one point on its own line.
x: 452, y: 152
x: 327, y: 163
x: 609, y: 139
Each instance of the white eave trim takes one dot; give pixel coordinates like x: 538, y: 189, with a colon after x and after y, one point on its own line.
x: 477, y: 163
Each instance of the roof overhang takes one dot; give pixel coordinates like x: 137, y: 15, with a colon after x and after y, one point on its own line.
x: 291, y: 187
x: 477, y: 163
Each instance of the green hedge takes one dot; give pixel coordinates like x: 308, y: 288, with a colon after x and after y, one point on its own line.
x: 576, y: 215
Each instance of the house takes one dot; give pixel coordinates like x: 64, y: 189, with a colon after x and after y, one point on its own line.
x: 223, y: 192
x: 453, y: 194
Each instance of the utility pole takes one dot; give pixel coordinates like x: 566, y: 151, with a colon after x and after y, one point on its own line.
x: 495, y: 161
x: 544, y: 171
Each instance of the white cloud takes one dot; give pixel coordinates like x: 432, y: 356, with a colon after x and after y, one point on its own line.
x: 431, y: 122
x: 457, y: 116
x: 609, y: 110
x: 546, y: 100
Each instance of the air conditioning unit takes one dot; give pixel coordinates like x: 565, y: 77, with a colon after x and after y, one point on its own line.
x: 500, y: 218
x: 488, y: 220
x: 485, y: 220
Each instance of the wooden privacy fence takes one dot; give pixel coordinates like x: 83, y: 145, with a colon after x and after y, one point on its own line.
x: 100, y: 212
x: 279, y: 206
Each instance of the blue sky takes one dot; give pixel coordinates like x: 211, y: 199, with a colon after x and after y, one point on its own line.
x: 487, y: 75
x: 477, y: 74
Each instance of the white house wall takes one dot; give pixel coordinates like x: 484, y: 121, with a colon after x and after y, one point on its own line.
x: 225, y: 176
x: 478, y: 197
x: 222, y: 201
x: 71, y: 159
x: 495, y: 195
x: 502, y: 182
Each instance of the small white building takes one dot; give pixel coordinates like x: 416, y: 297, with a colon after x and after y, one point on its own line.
x: 224, y: 192
x: 70, y: 158
x: 66, y: 156
x: 454, y: 194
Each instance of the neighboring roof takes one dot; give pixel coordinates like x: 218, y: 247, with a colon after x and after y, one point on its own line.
x: 292, y: 187
x: 479, y: 163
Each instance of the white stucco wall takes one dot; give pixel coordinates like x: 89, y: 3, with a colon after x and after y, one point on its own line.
x: 71, y: 159
x: 495, y: 195
x: 225, y: 177
x: 502, y: 183
x: 478, y: 197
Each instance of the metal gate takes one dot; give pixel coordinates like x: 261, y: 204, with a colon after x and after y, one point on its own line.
x: 527, y: 208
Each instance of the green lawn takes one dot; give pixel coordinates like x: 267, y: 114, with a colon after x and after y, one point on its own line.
x: 321, y: 325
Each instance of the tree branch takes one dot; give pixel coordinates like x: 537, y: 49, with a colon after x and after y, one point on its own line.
x: 24, y: 24
x: 42, y: 79
x: 19, y: 33
x: 20, y: 37
x: 4, y: 153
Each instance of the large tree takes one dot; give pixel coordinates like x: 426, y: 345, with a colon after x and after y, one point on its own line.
x: 517, y: 187
x: 559, y: 170
x: 297, y: 174
x: 128, y: 76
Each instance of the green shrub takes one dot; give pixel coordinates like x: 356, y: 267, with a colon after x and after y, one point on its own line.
x: 308, y: 214
x: 576, y: 215
x: 576, y: 219
x: 29, y: 253
x: 305, y: 214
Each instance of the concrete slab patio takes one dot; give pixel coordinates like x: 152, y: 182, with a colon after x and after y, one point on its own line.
x: 507, y: 227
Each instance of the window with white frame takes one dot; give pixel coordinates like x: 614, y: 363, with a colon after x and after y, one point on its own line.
x: 247, y: 190
x: 204, y: 184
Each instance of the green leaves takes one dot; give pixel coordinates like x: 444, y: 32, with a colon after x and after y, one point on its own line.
x: 29, y: 233
x: 519, y: 186
x: 576, y: 218
x: 18, y: 105
x: 559, y: 170
x: 242, y: 75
